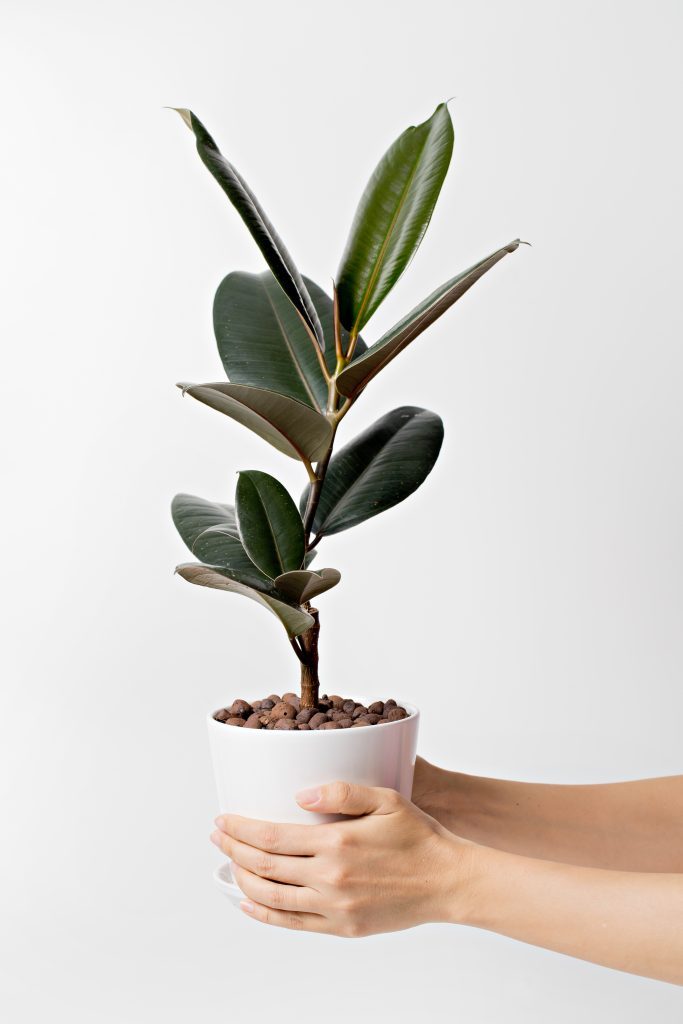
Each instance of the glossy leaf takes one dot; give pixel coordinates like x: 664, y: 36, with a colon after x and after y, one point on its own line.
x: 262, y: 341
x: 193, y: 515
x: 221, y: 546
x: 392, y: 216
x: 262, y: 231
x: 378, y: 469
x: 269, y: 523
x: 290, y: 426
x: 358, y: 374
x: 295, y: 620
x: 301, y: 586
x: 210, y: 532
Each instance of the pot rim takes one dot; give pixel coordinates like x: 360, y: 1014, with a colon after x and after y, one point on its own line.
x: 412, y: 709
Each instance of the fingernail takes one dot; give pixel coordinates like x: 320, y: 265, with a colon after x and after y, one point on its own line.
x: 215, y: 838
x: 247, y: 906
x: 308, y: 796
x: 218, y: 821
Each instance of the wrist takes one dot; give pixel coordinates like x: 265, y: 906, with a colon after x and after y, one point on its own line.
x: 437, y: 792
x: 469, y: 806
x: 471, y: 877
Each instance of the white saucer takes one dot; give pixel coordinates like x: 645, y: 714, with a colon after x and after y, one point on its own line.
x: 222, y: 876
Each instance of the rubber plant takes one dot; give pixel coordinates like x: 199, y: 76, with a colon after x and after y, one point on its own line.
x: 296, y: 364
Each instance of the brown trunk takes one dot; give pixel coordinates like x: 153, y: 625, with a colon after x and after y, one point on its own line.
x: 310, y: 684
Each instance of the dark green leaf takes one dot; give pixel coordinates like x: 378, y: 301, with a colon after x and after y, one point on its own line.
x: 193, y: 515
x: 379, y: 468
x: 295, y: 620
x: 354, y: 378
x: 290, y: 426
x: 262, y: 341
x: 221, y: 546
x: 392, y: 216
x: 262, y: 231
x: 301, y: 586
x: 269, y: 523
x: 210, y: 532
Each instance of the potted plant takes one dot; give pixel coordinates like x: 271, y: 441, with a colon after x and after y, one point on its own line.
x: 296, y: 364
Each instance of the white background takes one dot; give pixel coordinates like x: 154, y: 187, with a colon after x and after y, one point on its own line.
x: 529, y: 597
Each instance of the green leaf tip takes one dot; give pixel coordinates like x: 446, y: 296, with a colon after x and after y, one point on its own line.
x: 355, y: 377
x: 290, y: 426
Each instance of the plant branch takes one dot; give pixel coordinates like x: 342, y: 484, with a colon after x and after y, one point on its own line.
x: 341, y: 413
x: 315, y: 491
x: 316, y: 346
x: 309, y: 469
x: 337, y: 325
x: 353, y: 338
x: 297, y: 650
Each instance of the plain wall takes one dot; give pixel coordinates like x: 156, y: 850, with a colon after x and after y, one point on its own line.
x: 528, y: 597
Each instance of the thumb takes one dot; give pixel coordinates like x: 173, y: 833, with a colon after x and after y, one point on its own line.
x: 345, y: 798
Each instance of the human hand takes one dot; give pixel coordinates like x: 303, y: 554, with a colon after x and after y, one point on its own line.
x: 388, y: 867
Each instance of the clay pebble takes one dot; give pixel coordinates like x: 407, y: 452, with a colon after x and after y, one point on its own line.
x: 287, y: 715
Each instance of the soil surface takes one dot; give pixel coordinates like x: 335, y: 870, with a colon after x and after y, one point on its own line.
x: 285, y: 712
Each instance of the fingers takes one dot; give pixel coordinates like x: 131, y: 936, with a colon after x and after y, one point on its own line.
x: 272, y: 894
x: 284, y: 918
x: 292, y: 870
x: 345, y: 798
x: 297, y: 840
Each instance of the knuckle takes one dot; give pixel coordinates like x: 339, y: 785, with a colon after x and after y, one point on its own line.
x: 295, y: 921
x: 269, y: 837
x: 350, y: 907
x: 354, y: 930
x: 341, y: 793
x: 392, y: 798
x: 340, y: 840
x: 264, y: 864
x: 339, y: 876
x: 275, y: 896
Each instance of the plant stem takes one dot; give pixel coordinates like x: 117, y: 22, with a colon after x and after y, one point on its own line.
x: 297, y: 650
x: 314, y: 494
x: 353, y: 338
x: 307, y: 648
x: 341, y: 413
x: 310, y: 683
x: 316, y: 346
x: 337, y: 327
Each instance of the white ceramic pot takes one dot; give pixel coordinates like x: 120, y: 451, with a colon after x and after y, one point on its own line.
x: 259, y: 771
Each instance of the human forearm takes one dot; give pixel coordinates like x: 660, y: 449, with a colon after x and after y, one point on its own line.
x: 388, y: 866
x: 633, y: 826
x: 630, y: 921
